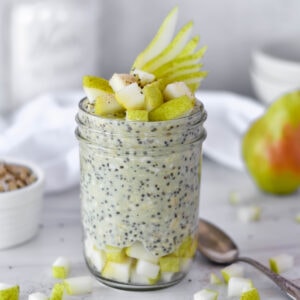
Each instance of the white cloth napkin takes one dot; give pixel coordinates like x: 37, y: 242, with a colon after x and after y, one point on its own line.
x: 229, y: 116
x: 43, y: 132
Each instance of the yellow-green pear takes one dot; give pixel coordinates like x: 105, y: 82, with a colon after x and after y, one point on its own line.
x: 271, y: 146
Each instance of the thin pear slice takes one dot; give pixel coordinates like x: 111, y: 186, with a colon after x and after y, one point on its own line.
x: 190, y: 46
x: 192, y: 80
x: 160, y: 41
x: 179, y: 62
x: 172, y: 50
x: 184, y: 70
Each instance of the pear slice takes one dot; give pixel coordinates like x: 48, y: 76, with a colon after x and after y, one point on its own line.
x: 57, y: 291
x: 95, y: 87
x: 190, y: 47
x: 281, y: 263
x: 206, y: 294
x: 119, y: 81
x: 236, y: 286
x: 250, y: 294
x: 176, y: 90
x: 184, y: 70
x: 195, y: 77
x: 118, y: 271
x: 131, y: 97
x: 9, y: 292
x: 139, y: 115
x: 169, y: 263
x: 233, y: 270
x: 173, y: 109
x: 147, y: 268
x: 78, y: 285
x: 60, y: 267
x: 172, y: 50
x: 37, y: 296
x: 160, y: 41
x: 179, y: 62
x: 153, y: 95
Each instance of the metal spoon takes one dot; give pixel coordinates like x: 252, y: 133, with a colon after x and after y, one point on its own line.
x: 217, y: 246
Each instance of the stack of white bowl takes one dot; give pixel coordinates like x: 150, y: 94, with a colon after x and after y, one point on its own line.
x: 276, y: 69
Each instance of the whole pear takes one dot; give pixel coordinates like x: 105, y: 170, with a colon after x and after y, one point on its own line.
x: 271, y: 146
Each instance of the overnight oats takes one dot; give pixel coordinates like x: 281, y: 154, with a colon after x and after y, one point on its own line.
x: 140, y: 137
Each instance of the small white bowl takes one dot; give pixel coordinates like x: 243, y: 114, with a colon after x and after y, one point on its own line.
x: 279, y: 60
x: 20, y: 210
x: 269, y: 89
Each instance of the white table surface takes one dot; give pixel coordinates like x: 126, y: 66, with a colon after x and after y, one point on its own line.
x: 29, y: 265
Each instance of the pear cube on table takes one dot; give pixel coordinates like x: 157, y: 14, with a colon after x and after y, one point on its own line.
x: 9, y: 292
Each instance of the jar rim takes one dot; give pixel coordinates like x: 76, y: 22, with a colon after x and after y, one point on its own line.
x: 166, y: 122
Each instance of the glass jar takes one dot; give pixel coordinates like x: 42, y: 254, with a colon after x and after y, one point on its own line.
x: 140, y: 185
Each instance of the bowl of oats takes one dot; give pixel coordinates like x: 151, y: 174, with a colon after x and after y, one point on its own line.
x: 21, y: 199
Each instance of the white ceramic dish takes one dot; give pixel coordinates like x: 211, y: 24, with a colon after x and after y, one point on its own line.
x: 20, y: 210
x: 279, y: 60
x: 268, y: 89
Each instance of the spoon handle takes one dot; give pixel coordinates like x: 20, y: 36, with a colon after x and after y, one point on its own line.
x: 291, y: 289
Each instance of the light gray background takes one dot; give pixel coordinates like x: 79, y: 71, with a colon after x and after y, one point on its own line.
x: 231, y: 29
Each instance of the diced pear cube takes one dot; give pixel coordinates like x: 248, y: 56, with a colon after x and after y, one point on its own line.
x: 137, y: 115
x: 214, y: 279
x: 187, y: 248
x: 107, y: 104
x: 115, y: 254
x: 236, y: 285
x: 118, y: 271
x: 147, y: 268
x: 9, y: 292
x: 169, y: 263
x: 57, y: 291
x: 176, y: 90
x: 233, y: 270
x: 131, y: 97
x: 281, y: 263
x: 96, y: 256
x: 173, y: 109
x: 143, y: 77
x: 37, y: 296
x: 153, y: 95
x: 167, y: 276
x: 142, y: 279
x: 120, y: 81
x: 206, y: 294
x: 250, y: 294
x: 78, y: 285
x: 95, y: 87
x: 60, y: 267
x: 138, y: 251
x: 249, y: 213
x: 185, y: 264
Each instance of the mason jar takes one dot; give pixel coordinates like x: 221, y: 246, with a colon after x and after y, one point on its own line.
x: 140, y: 184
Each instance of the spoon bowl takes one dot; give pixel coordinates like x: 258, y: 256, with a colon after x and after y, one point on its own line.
x: 218, y: 247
